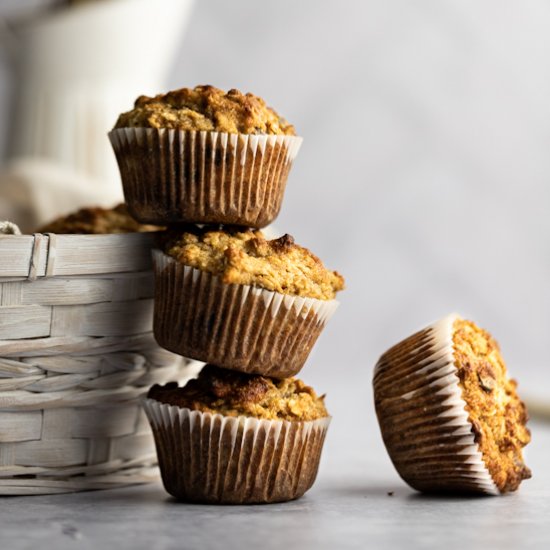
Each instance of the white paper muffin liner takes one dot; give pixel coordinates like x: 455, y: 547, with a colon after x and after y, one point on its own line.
x: 237, y: 327
x: 423, y: 417
x: 212, y: 458
x: 173, y: 176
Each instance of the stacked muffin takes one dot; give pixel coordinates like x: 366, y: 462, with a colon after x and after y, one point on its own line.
x: 252, y: 308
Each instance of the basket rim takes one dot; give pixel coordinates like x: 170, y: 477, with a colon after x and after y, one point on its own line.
x: 51, y: 254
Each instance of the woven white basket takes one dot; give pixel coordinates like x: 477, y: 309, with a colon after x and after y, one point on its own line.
x: 76, y: 355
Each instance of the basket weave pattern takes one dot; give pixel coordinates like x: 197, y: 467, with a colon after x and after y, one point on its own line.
x: 76, y: 356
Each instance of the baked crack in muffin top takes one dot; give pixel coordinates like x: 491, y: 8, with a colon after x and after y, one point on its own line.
x: 245, y: 257
x: 231, y: 393
x: 97, y: 220
x: 497, y: 414
x: 206, y: 108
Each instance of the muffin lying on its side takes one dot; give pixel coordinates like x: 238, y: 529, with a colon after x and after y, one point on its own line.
x: 232, y: 298
x: 201, y: 155
x: 97, y: 220
x: 232, y: 438
x: 450, y: 416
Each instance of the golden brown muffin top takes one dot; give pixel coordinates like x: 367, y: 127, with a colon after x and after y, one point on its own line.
x: 206, y: 108
x: 245, y: 257
x: 97, y: 220
x: 497, y: 414
x: 232, y: 393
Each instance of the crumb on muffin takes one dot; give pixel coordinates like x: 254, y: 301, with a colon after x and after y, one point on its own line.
x: 245, y: 257
x: 206, y: 108
x: 230, y: 393
x: 497, y: 414
x: 97, y: 220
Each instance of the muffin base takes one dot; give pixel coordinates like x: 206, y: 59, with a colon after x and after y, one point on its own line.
x: 423, y: 417
x: 211, y: 458
x: 174, y: 176
x: 237, y: 327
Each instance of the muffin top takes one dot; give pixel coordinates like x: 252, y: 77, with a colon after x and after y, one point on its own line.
x: 497, y: 414
x: 232, y: 393
x: 97, y: 220
x: 206, y: 108
x: 244, y: 256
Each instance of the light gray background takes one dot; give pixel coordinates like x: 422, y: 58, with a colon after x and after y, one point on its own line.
x: 424, y: 174
x: 423, y: 177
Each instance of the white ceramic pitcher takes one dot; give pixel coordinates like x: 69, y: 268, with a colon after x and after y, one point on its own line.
x: 77, y: 69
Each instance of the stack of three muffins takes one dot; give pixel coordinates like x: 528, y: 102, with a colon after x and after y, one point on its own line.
x: 252, y: 308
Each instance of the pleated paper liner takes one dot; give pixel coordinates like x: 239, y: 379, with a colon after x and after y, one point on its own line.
x: 233, y: 326
x: 173, y: 176
x: 218, y: 459
x: 423, y: 417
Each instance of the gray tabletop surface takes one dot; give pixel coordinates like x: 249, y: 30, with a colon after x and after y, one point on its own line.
x: 358, y: 501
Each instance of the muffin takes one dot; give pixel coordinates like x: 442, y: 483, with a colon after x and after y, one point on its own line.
x: 97, y: 220
x: 232, y: 298
x: 232, y: 438
x: 201, y: 155
x: 449, y: 415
